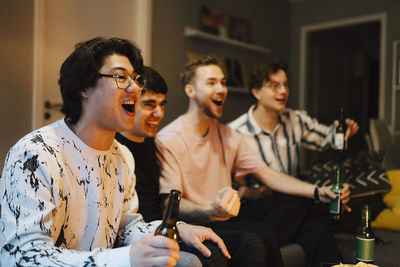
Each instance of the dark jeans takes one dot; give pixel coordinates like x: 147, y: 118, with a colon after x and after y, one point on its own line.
x: 268, y: 248
x: 349, y: 222
x: 289, y: 217
x: 246, y: 249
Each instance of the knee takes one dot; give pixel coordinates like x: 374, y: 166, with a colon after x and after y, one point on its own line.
x: 252, y: 250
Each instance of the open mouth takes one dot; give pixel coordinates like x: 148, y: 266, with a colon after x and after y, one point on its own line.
x: 218, y: 103
x: 152, y: 123
x: 129, y: 106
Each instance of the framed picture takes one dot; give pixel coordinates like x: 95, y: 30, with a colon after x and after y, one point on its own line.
x: 396, y: 62
x: 212, y: 21
x: 396, y: 88
x: 239, y: 29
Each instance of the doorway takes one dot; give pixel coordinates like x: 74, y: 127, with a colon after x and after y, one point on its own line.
x: 59, y: 25
x: 343, y: 71
x: 342, y: 65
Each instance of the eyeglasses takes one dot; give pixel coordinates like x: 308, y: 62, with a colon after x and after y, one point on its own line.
x: 275, y: 86
x: 124, y: 80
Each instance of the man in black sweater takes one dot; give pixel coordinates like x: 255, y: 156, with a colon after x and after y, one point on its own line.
x: 246, y: 249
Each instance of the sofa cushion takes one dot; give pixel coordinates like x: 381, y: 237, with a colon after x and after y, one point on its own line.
x: 293, y: 255
x: 363, y: 172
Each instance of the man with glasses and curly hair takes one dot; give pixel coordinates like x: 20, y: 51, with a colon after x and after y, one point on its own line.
x: 68, y: 189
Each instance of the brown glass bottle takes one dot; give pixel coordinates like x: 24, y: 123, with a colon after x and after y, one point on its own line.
x: 168, y: 226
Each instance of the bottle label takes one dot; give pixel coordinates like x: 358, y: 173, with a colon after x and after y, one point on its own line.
x: 339, y: 141
x: 365, y: 249
x: 334, y: 205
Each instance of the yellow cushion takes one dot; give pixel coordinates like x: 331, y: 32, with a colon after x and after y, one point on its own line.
x: 389, y: 218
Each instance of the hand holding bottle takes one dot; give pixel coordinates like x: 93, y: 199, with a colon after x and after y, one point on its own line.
x: 352, y: 128
x: 168, y: 226
x: 325, y: 194
x: 154, y: 251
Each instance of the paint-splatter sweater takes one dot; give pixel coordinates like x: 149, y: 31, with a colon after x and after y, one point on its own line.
x: 66, y: 204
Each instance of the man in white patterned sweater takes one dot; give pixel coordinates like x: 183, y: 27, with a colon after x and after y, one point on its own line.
x: 68, y: 189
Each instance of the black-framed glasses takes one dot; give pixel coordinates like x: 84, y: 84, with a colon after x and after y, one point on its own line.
x: 124, y: 80
x: 275, y: 86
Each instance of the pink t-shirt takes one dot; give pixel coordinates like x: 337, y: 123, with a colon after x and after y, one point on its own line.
x: 200, y: 166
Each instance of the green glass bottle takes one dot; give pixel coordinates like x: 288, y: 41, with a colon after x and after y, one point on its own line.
x: 168, y: 226
x: 365, y: 238
x: 335, y: 205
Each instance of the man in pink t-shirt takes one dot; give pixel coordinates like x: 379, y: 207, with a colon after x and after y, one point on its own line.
x: 199, y: 157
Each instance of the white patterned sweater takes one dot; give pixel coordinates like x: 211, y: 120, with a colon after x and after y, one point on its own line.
x: 66, y: 204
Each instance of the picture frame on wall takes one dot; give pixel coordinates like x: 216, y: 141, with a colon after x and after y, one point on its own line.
x: 240, y: 29
x: 212, y: 21
x: 396, y: 87
x: 396, y: 62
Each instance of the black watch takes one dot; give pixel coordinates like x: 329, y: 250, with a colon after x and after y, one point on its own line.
x: 316, y: 193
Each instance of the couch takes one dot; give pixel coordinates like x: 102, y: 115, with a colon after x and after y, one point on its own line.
x: 386, y: 226
x: 386, y: 254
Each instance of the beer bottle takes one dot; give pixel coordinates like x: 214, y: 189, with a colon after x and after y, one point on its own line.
x: 365, y: 238
x: 335, y: 205
x: 168, y: 226
x: 340, y: 131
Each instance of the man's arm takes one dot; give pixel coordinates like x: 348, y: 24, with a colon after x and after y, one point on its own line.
x: 352, y: 128
x: 33, y: 216
x: 313, y: 134
x: 319, y: 136
x: 284, y: 183
x: 225, y: 205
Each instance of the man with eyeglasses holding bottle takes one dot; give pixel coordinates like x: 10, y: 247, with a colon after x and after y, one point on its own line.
x: 68, y: 189
x: 276, y: 133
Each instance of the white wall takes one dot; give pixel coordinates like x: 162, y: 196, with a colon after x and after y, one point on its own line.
x: 37, y: 36
x: 62, y: 24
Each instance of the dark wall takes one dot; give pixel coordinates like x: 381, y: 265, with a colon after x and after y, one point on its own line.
x: 311, y: 12
x: 314, y: 11
x: 270, y: 28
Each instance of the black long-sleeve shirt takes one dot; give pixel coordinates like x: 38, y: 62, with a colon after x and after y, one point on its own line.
x: 147, y: 170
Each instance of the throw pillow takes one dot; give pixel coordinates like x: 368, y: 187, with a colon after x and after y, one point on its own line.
x: 389, y: 218
x: 363, y: 172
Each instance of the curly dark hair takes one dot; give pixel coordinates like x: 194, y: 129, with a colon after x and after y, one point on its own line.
x: 155, y: 83
x: 190, y: 68
x: 261, y: 73
x: 81, y: 70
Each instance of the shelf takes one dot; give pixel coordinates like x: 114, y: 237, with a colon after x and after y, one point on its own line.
x: 238, y: 90
x: 197, y: 34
